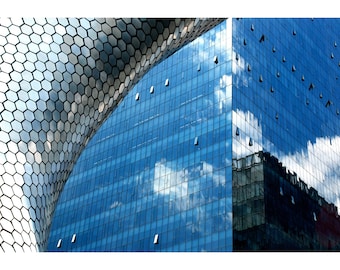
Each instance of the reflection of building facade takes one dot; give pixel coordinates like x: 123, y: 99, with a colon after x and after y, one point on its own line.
x: 164, y: 181
x: 274, y: 210
x: 285, y: 73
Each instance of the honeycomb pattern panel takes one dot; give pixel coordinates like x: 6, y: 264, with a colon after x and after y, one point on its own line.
x: 60, y: 79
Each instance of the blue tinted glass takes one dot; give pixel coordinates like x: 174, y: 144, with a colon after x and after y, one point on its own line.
x: 161, y: 173
x: 159, y: 165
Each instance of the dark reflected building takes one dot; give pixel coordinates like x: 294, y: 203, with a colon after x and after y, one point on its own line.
x: 206, y: 151
x: 275, y: 210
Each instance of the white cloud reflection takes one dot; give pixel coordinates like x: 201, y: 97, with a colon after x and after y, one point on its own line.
x: 318, y: 165
x: 170, y: 182
x: 223, y: 93
x: 183, y: 189
x: 176, y: 183
x: 217, y: 40
x: 250, y: 130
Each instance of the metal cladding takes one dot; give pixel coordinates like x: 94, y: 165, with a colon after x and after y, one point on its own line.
x: 60, y: 79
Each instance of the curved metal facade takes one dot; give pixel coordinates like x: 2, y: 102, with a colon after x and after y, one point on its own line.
x: 60, y: 79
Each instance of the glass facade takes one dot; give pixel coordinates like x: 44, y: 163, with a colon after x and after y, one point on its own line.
x: 159, y: 175
x: 286, y: 103
x: 273, y: 209
x: 285, y: 96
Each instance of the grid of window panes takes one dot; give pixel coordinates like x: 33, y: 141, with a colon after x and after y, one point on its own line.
x: 286, y: 97
x: 157, y: 175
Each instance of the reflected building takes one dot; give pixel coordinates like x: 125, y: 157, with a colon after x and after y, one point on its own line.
x: 274, y: 210
x: 160, y: 173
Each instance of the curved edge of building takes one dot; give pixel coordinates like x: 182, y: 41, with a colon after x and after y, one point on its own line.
x: 60, y: 80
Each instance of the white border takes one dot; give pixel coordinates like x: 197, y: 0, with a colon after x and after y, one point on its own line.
x: 172, y: 8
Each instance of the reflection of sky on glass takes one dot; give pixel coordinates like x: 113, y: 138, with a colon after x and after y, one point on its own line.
x: 274, y: 112
x: 211, y: 40
x: 223, y: 93
x: 189, y: 184
x: 318, y: 164
x: 176, y: 183
x: 150, y: 175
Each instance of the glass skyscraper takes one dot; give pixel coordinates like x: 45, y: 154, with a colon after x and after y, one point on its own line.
x: 157, y: 175
x: 180, y: 165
